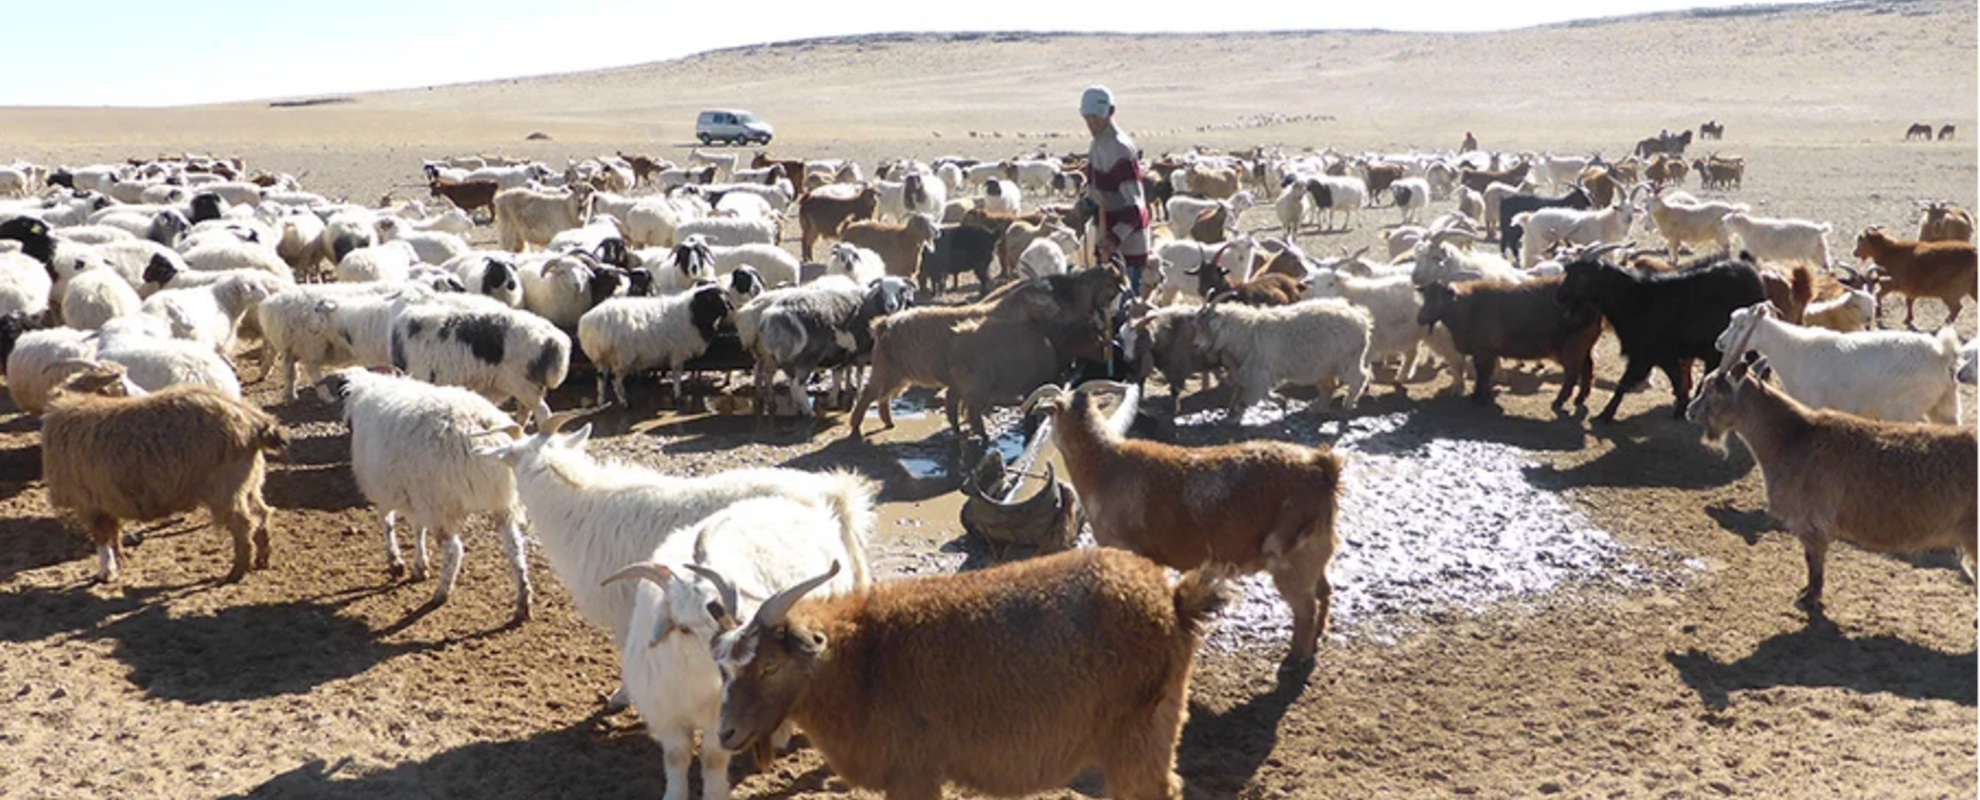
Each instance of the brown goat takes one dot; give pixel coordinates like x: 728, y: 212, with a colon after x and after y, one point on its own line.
x: 1263, y: 289
x: 1489, y: 320
x: 1218, y: 182
x: 467, y: 195
x: 1944, y: 270
x: 1006, y: 681
x: 1478, y: 179
x: 820, y: 216
x: 899, y: 244
x: 1945, y: 222
x: 793, y: 167
x: 106, y: 458
x: 996, y: 349
x: 643, y: 167
x: 1886, y: 486
x: 1253, y: 506
x: 1381, y: 176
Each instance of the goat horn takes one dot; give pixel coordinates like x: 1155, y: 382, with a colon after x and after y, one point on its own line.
x: 557, y: 421
x: 656, y: 573
x: 1602, y: 249
x: 773, y: 610
x: 85, y: 363
x: 1043, y: 394
x: 730, y: 601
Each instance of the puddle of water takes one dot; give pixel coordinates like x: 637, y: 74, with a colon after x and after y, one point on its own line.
x: 924, y: 468
x: 924, y: 463
x: 1429, y: 529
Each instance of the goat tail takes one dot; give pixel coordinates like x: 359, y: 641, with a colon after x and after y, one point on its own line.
x: 1202, y: 593
x: 1948, y: 342
x: 1801, y: 292
x: 851, y: 501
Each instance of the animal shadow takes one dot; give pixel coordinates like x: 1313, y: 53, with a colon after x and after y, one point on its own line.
x: 1221, y: 751
x: 1821, y: 655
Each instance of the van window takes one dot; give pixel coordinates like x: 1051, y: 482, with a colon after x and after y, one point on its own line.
x: 747, y: 117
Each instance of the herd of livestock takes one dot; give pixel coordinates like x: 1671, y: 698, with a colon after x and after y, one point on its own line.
x: 742, y: 602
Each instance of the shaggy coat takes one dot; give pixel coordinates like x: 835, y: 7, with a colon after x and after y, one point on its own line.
x: 1663, y: 321
x: 1310, y: 343
x: 109, y: 459
x: 1489, y: 320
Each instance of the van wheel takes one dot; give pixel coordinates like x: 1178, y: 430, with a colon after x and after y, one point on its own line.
x: 706, y: 140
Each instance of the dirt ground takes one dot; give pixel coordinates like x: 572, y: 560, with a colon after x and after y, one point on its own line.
x: 325, y: 678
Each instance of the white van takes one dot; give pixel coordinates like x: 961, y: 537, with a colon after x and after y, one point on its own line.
x: 731, y: 126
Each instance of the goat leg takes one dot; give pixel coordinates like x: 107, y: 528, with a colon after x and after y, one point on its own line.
x: 1815, y: 548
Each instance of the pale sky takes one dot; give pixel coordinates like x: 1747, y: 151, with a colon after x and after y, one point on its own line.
x: 178, y: 52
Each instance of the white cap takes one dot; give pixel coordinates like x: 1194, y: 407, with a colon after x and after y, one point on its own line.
x: 1096, y: 102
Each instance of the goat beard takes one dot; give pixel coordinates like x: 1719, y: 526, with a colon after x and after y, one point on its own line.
x: 1716, y: 441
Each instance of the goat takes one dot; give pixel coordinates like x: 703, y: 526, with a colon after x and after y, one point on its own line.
x: 1886, y: 486
x: 900, y: 245
x: 1945, y: 222
x: 1944, y: 270
x: 1525, y: 320
x: 1892, y: 375
x: 199, y: 449
x: 1310, y: 343
x: 1662, y: 320
x: 821, y: 215
x: 910, y: 684
x: 1251, y: 506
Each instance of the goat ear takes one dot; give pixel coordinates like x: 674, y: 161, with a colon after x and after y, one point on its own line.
x: 504, y: 452
x: 575, y: 439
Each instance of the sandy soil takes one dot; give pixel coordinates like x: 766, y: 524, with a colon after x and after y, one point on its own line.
x: 1678, y: 668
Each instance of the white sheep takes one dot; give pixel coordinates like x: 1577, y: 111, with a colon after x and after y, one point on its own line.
x: 412, y: 451
x: 1345, y: 194
x: 730, y: 231
x: 556, y: 287
x: 429, y: 246
x: 1775, y: 239
x: 153, y: 360
x: 387, y: 262
x: 24, y: 285
x: 1899, y: 376
x: 41, y: 360
x: 1001, y: 197
x: 525, y: 217
x: 651, y: 221
x: 312, y: 326
x: 218, y: 253
x: 1411, y: 195
x: 685, y: 598
x: 856, y: 263
x: 1290, y: 207
x: 630, y: 334
x: 212, y: 314
x: 97, y: 296
x: 1309, y: 343
x: 490, y: 274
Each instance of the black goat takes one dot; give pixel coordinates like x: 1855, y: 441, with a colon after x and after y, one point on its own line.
x: 1663, y: 320
x: 959, y: 249
x: 1510, y: 234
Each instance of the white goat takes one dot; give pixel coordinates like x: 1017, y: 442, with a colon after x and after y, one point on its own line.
x: 1773, y: 239
x: 1899, y: 376
x: 1309, y: 343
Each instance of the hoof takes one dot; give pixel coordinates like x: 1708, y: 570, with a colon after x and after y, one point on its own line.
x: 396, y: 570
x: 235, y: 575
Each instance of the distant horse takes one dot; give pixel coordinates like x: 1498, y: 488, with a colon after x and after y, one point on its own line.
x: 1918, y: 130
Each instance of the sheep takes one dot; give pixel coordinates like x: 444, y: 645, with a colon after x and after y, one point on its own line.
x: 769, y: 544
x: 676, y: 269
x: 730, y: 231
x: 491, y: 275
x: 633, y: 334
x: 510, y: 176
x: 826, y: 323
x: 1310, y: 343
x: 144, y: 346
x: 900, y: 246
x: 594, y: 517
x: 24, y: 285
x: 1337, y: 193
x: 221, y: 254
x: 347, y: 230
x: 1014, y: 235
x: 412, y: 452
x: 772, y: 263
x: 389, y: 262
x: 1662, y: 320
x: 491, y: 350
x: 323, y: 325
x: 1488, y: 320
x: 1679, y: 221
x: 923, y: 194
x: 1001, y: 197
x: 562, y: 287
x: 213, y: 313
x: 1410, y: 195
x: 200, y: 449
x: 431, y: 247
x: 1103, y: 629
x: 1889, y: 375
x: 724, y: 163
x: 1291, y: 206
x: 855, y: 263
x: 96, y: 296
x: 42, y: 359
x: 1944, y: 222
x: 1944, y: 270
x: 525, y: 217
x: 1771, y: 239
x: 1886, y: 486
